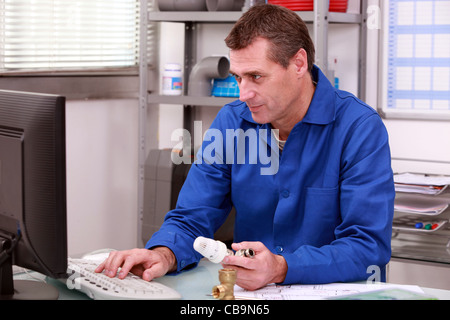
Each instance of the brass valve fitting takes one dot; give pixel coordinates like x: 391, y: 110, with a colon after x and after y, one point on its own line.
x: 225, y: 290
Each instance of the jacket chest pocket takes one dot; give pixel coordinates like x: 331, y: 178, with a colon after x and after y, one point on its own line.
x: 321, y: 215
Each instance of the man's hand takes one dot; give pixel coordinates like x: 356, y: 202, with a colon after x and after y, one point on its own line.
x: 147, y: 264
x: 259, y: 271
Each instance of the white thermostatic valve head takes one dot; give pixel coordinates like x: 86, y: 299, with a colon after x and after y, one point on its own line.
x: 211, y: 249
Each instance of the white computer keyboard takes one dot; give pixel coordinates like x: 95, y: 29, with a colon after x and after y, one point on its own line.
x: 82, y: 277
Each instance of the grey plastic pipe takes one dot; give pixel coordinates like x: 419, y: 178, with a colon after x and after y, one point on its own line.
x: 200, y: 79
x: 182, y: 5
x: 224, y: 5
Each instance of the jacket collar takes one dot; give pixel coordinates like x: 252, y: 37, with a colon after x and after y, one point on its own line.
x: 322, y: 109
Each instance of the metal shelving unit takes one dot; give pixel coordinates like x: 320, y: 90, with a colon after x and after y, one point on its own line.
x: 320, y: 18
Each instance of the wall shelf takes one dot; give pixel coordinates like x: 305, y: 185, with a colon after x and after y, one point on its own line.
x: 188, y: 100
x: 194, y: 16
x: 233, y: 16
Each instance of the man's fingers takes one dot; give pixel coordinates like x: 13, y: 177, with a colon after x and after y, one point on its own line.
x: 127, y: 265
x: 255, y: 245
x: 114, y: 262
x: 155, y: 271
x: 100, y: 267
x: 118, y: 259
x: 145, y: 263
x: 242, y: 262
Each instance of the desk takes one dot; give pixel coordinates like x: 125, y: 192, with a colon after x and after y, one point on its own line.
x: 196, y: 284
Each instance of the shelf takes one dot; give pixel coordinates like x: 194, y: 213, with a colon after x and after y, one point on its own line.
x: 409, y: 224
x: 233, y: 16
x: 340, y: 17
x: 420, y: 204
x: 421, y: 244
x: 194, y: 16
x: 406, y: 221
x: 193, y: 101
x: 428, y: 248
x: 417, y: 251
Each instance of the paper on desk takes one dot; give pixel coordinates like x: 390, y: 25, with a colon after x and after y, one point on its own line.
x: 421, y: 179
x: 420, y: 183
x: 315, y: 292
x: 420, y: 205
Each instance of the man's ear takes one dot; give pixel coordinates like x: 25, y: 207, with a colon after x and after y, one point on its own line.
x: 300, y: 60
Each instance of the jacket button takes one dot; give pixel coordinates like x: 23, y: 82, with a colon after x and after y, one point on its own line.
x: 285, y: 193
x: 279, y: 249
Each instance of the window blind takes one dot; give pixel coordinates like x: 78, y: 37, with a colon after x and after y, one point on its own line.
x: 419, y: 57
x: 49, y: 35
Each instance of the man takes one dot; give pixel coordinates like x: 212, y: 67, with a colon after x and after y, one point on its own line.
x: 324, y: 214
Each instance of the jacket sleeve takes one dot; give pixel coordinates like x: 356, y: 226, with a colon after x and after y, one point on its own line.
x: 202, y: 207
x: 366, y: 197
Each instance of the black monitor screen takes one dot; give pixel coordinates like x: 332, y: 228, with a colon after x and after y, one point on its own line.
x: 33, y: 231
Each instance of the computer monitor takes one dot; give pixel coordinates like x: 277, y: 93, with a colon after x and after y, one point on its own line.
x: 33, y: 232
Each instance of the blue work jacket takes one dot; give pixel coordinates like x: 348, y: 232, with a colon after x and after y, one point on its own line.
x: 326, y: 206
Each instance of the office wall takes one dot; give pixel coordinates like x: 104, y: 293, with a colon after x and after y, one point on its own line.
x: 416, y: 145
x: 102, y: 158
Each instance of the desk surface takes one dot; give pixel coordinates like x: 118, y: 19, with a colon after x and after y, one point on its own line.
x: 197, y: 284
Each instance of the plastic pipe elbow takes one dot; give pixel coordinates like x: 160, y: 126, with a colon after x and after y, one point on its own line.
x: 209, y: 68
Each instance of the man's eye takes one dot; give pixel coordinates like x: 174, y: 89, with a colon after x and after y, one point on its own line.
x: 256, y: 76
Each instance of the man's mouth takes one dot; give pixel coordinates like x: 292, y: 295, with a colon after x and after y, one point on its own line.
x: 254, y: 108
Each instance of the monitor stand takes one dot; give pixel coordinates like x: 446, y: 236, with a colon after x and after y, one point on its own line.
x: 20, y: 289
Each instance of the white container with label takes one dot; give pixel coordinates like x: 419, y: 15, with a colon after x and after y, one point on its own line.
x: 172, y: 81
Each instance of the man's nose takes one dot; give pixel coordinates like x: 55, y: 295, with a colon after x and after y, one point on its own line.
x: 246, y: 92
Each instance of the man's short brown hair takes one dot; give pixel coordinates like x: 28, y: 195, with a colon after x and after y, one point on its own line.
x: 284, y: 29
